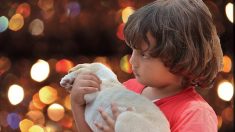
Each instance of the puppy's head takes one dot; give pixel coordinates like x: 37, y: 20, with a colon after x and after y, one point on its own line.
x: 102, y: 71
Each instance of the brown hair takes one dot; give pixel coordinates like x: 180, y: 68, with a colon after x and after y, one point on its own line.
x: 187, y: 41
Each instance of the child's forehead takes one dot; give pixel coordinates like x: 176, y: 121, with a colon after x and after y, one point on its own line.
x: 148, y: 44
x: 144, y: 46
x: 142, y: 42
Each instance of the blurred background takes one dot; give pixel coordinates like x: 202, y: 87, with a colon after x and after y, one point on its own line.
x: 40, y: 40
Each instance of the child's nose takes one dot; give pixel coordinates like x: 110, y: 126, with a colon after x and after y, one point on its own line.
x: 133, y: 60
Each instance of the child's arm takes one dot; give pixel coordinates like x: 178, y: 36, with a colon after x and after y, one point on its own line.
x: 79, y: 117
x: 83, y: 84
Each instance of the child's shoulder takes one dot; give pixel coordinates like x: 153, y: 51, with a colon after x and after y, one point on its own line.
x: 184, y: 103
x: 134, y: 86
x: 188, y: 109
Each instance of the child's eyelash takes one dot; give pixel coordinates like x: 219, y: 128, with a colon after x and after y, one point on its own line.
x: 145, y: 55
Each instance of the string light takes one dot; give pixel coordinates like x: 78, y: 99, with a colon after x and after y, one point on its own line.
x: 25, y: 125
x: 229, y: 11
x: 227, y: 64
x: 13, y: 119
x: 63, y: 66
x: 73, y: 9
x: 126, y: 13
x: 36, y: 27
x: 119, y: 33
x: 3, y: 23
x: 15, y: 94
x: 40, y: 71
x: 36, y: 128
x: 36, y: 116
x: 125, y: 64
x: 16, y: 22
x: 24, y: 9
x: 37, y: 102
x: 225, y: 91
x: 55, y: 112
x: 48, y: 94
x: 67, y: 103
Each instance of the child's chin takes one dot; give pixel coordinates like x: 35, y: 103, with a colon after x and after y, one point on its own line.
x: 138, y: 79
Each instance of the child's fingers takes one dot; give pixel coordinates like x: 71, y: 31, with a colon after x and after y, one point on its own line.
x: 95, y: 77
x: 110, y: 122
x: 115, y: 110
x: 89, y: 76
x: 103, y: 128
x: 87, y: 81
x: 87, y: 90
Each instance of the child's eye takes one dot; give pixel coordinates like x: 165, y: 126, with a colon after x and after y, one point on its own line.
x: 145, y: 55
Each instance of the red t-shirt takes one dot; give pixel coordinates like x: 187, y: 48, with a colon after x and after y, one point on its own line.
x: 186, y: 111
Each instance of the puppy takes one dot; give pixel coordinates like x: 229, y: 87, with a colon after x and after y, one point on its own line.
x: 146, y: 116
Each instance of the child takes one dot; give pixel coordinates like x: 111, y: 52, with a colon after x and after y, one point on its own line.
x: 175, y: 49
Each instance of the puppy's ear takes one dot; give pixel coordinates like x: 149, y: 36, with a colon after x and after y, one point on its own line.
x: 75, y: 68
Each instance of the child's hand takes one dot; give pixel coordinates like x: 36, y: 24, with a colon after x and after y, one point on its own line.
x: 84, y: 84
x: 110, y: 127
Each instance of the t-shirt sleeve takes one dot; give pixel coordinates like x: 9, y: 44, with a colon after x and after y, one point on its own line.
x: 133, y: 85
x: 198, y: 118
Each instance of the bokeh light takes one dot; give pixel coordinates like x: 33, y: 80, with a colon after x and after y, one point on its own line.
x: 37, y: 102
x: 227, y: 114
x: 48, y: 94
x: 5, y: 64
x: 3, y: 23
x: 225, y: 91
x: 25, y: 125
x: 36, y: 117
x: 126, y: 13
x: 15, y: 94
x: 36, y: 128
x: 103, y: 60
x: 73, y: 9
x: 66, y: 121
x: 220, y: 121
x: 63, y: 66
x: 229, y: 11
x: 55, y: 112
x: 40, y: 71
x: 119, y: 33
x: 67, y: 102
x: 24, y: 9
x: 125, y: 64
x: 46, y: 5
x: 16, y: 22
x: 13, y: 119
x: 36, y: 27
x: 227, y: 64
x: 52, y: 127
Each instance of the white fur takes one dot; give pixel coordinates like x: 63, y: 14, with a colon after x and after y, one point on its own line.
x: 146, y: 116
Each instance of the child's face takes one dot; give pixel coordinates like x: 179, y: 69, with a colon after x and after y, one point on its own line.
x: 151, y: 71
